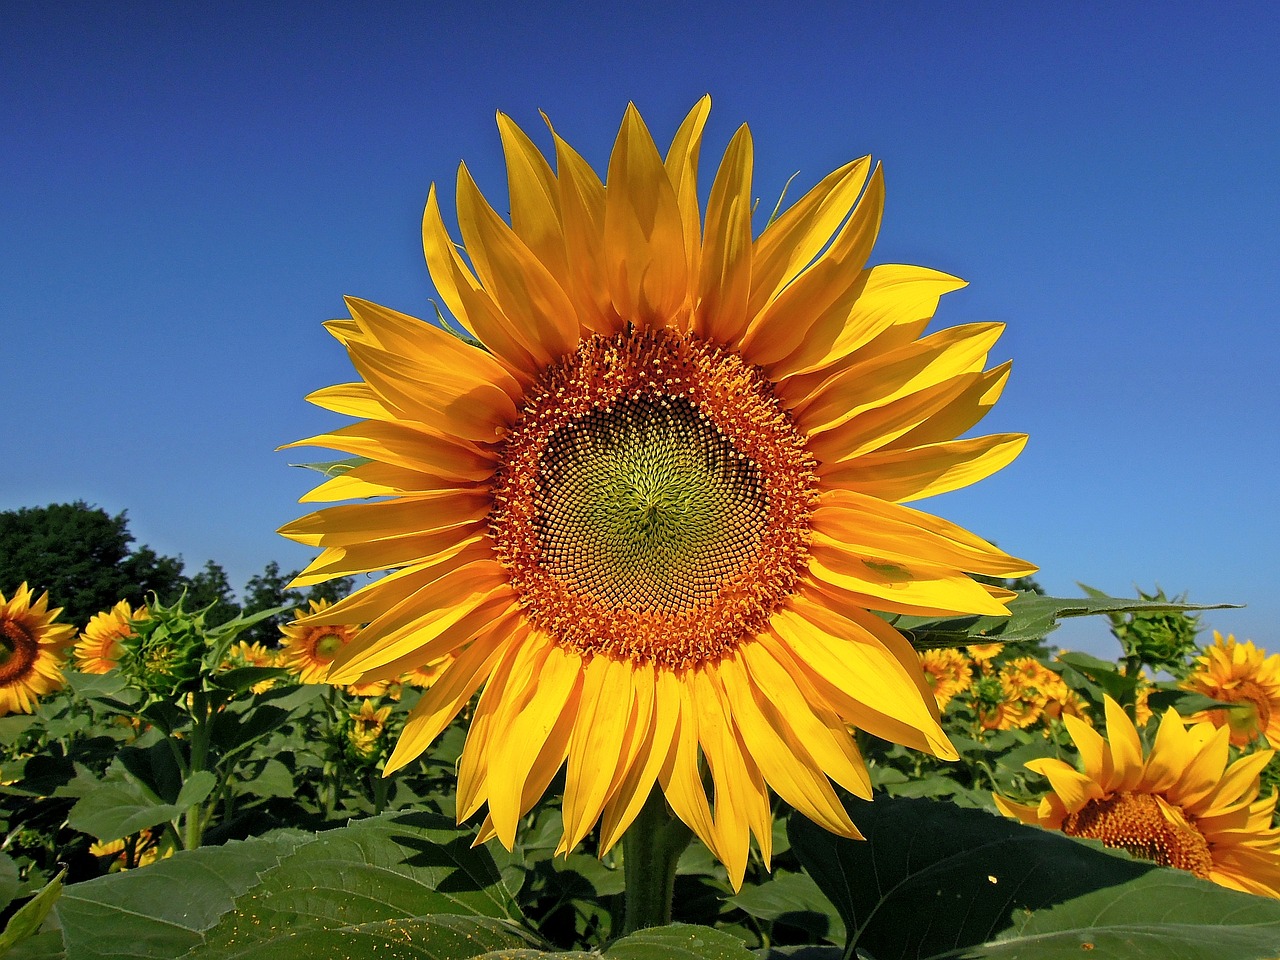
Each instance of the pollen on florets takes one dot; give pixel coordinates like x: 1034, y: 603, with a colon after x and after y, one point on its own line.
x: 1135, y: 822
x: 653, y: 500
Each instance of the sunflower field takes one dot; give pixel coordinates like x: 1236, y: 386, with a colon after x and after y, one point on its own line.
x: 651, y: 657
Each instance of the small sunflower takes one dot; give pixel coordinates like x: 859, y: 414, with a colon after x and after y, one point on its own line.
x: 1182, y: 806
x: 1003, y: 702
x: 984, y: 654
x: 100, y: 645
x: 650, y: 515
x: 368, y: 725
x: 310, y: 647
x: 1243, y: 674
x: 947, y: 671
x: 32, y: 648
x: 392, y: 689
x: 243, y: 653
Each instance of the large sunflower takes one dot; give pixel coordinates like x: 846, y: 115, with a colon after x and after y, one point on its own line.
x: 32, y: 648
x: 1243, y: 674
x: 1182, y: 806
x: 650, y: 514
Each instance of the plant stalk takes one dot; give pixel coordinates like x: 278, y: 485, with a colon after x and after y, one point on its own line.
x: 651, y: 849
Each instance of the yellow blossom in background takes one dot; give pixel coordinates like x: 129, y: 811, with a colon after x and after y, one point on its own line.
x: 99, y: 647
x: 1003, y: 702
x: 424, y: 675
x: 650, y: 517
x: 310, y: 648
x: 947, y: 671
x: 391, y: 689
x: 146, y: 850
x: 32, y: 648
x: 368, y: 724
x: 984, y: 653
x: 1243, y: 674
x: 1181, y: 806
x: 242, y: 653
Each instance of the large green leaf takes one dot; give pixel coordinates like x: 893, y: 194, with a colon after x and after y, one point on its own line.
x: 1031, y: 617
x: 122, y: 805
x: 793, y: 899
x: 407, y: 885
x: 933, y: 880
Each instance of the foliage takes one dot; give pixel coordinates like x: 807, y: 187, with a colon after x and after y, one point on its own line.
x: 82, y: 557
x: 223, y: 810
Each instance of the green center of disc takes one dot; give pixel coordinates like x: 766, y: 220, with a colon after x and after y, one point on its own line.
x: 647, y: 505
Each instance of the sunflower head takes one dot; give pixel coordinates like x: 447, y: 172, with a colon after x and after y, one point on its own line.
x: 101, y: 643
x: 366, y: 731
x: 1244, y: 675
x: 647, y: 503
x: 32, y: 648
x: 1180, y: 804
x: 948, y: 673
x: 1161, y: 639
x: 164, y: 655
x: 311, y: 643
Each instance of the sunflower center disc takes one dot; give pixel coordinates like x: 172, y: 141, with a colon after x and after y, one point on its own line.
x: 653, y: 500
x: 1135, y: 822
x: 18, y: 650
x: 647, y: 505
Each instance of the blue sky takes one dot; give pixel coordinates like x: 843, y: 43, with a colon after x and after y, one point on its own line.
x: 188, y: 190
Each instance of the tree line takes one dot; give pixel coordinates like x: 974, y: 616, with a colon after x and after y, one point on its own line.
x: 87, y: 561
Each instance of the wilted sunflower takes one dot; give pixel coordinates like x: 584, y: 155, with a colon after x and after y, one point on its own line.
x: 650, y: 514
x: 309, y: 647
x: 1243, y: 674
x: 947, y: 671
x: 99, y: 647
x: 1182, y: 806
x: 32, y: 648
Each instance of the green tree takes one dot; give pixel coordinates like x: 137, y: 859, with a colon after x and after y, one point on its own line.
x: 81, y: 555
x: 212, y: 587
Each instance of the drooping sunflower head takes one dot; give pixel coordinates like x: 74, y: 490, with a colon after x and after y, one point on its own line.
x: 32, y: 648
x: 309, y: 648
x: 1241, y: 674
x: 1181, y: 805
x: 101, y: 643
x: 650, y: 513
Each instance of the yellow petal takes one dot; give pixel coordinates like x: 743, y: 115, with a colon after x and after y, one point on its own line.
x: 961, y: 412
x: 644, y: 244
x: 903, y: 475
x: 352, y: 399
x: 1126, y: 748
x: 596, y: 745
x: 1073, y: 788
x: 679, y: 777
x: 724, y: 276
x: 441, y: 702
x: 790, y: 243
x: 812, y: 311
x: 654, y: 743
x: 402, y: 445
x: 681, y: 165
x: 361, y: 522
x: 1093, y: 751
x: 535, y: 200
x: 728, y: 775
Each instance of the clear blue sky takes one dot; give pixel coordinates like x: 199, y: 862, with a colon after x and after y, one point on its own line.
x: 187, y: 190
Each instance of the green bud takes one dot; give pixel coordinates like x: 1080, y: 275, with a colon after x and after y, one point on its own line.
x: 164, y: 657
x: 1161, y: 639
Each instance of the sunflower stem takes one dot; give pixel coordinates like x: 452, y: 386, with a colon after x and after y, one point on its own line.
x: 651, y: 848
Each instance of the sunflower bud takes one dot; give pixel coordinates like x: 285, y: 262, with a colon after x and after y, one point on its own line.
x: 1162, y: 639
x: 164, y: 655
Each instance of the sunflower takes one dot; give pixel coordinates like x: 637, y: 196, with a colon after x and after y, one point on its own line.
x: 947, y: 671
x: 1243, y: 674
x: 244, y: 653
x: 391, y: 689
x: 984, y: 654
x: 1182, y: 806
x: 650, y: 515
x: 1003, y: 702
x: 32, y: 648
x: 310, y: 647
x: 366, y: 729
x: 425, y: 674
x: 99, y: 647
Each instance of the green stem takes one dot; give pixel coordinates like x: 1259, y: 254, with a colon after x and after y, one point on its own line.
x: 651, y: 848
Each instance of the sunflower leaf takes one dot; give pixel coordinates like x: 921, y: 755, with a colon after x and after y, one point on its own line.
x: 397, y: 885
x: 935, y: 881
x: 1031, y: 617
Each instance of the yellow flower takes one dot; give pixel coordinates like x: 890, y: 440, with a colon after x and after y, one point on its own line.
x: 310, y: 647
x: 367, y: 727
x: 1002, y: 702
x: 242, y: 653
x: 424, y: 675
x: 1182, y: 806
x: 99, y: 647
x: 376, y: 688
x: 947, y: 672
x: 32, y: 648
x: 984, y: 653
x: 1240, y: 673
x: 650, y: 518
